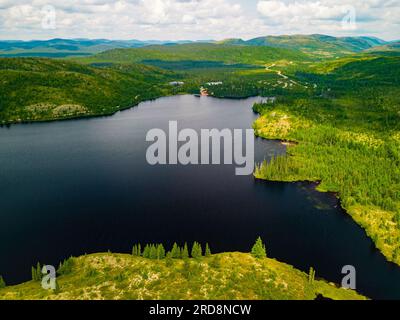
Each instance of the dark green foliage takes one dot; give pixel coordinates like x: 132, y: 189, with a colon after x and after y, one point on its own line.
x: 51, y: 89
x: 2, y: 283
x: 258, y: 249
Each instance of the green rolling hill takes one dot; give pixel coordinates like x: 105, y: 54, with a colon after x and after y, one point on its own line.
x: 45, y: 89
x: 316, y: 44
x: 228, y: 54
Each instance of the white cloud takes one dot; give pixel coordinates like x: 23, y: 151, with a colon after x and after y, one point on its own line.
x: 193, y: 19
x: 379, y: 17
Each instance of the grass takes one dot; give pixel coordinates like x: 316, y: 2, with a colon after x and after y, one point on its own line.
x: 226, y: 276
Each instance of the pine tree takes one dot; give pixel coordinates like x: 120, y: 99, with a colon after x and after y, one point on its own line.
x: 175, y: 252
x: 38, y: 272
x: 185, y: 252
x: 208, y: 251
x: 34, y: 275
x: 2, y: 283
x: 153, y: 252
x: 258, y: 249
x: 311, y: 275
x: 146, y: 252
x: 160, y: 252
x: 197, y: 251
x: 139, y: 250
x: 134, y: 251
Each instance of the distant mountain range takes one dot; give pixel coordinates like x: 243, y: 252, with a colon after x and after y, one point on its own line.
x: 317, y: 45
x: 58, y: 48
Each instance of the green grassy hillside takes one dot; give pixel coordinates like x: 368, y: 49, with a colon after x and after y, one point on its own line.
x: 43, y: 89
x: 223, y: 276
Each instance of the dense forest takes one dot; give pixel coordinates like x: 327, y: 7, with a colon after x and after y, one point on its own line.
x: 343, y: 113
x: 347, y: 138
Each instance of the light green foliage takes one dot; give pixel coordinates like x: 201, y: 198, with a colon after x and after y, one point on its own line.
x: 208, y: 250
x: 259, y: 251
x: 197, y: 251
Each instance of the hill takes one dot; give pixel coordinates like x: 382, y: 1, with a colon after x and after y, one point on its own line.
x: 316, y: 45
x: 58, y: 48
x: 228, y: 54
x: 348, y: 141
x: 224, y: 276
x: 45, y: 89
x: 392, y: 46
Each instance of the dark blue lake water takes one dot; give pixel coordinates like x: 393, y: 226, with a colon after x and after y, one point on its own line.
x: 84, y: 186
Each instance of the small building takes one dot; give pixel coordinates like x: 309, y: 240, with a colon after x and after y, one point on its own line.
x: 176, y: 83
x: 268, y: 100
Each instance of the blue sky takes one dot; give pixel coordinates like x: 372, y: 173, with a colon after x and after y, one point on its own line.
x: 196, y: 19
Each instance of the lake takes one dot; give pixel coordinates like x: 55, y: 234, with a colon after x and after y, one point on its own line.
x: 84, y: 186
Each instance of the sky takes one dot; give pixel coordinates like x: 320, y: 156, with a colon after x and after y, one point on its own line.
x: 196, y: 19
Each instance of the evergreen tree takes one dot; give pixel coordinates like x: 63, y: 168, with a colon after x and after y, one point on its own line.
x: 160, y: 252
x: 34, y: 275
x: 208, y: 251
x: 197, y: 251
x: 139, y: 250
x: 146, y: 252
x: 175, y: 251
x: 2, y: 283
x: 258, y: 249
x: 153, y: 252
x: 38, y: 272
x: 185, y: 252
x: 311, y: 275
x: 134, y: 251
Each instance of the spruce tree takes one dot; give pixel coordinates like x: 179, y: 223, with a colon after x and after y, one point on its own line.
x: 311, y: 275
x: 34, y: 275
x: 2, y: 283
x: 196, y: 250
x: 153, y: 252
x: 160, y: 252
x: 38, y: 272
x: 134, y: 251
x: 258, y: 249
x: 175, y: 252
x: 146, y: 252
x: 208, y: 251
x: 139, y: 250
x: 185, y: 252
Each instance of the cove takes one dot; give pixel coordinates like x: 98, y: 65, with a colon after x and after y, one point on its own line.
x: 84, y: 186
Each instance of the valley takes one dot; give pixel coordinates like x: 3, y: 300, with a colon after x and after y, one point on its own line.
x: 334, y: 101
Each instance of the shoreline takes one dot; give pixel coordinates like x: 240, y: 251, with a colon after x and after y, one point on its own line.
x: 316, y: 185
